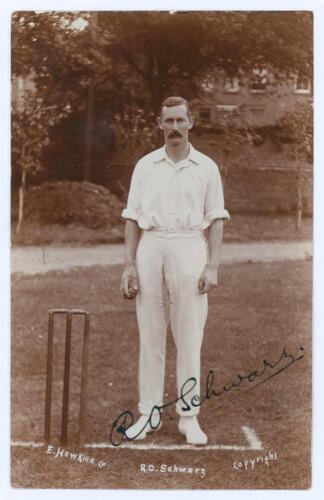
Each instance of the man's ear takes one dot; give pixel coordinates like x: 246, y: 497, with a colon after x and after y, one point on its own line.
x: 191, y: 121
x: 159, y: 122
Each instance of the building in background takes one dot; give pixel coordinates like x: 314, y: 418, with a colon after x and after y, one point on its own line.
x: 257, y: 101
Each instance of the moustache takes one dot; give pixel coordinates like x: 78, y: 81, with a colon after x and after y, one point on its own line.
x: 174, y: 134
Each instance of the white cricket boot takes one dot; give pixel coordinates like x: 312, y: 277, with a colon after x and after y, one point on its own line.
x: 143, y: 426
x: 189, y: 427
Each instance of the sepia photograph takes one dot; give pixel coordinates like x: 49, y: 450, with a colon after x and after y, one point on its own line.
x: 161, y: 253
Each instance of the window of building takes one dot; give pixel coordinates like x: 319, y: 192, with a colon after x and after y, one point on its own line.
x: 205, y: 114
x: 231, y: 108
x: 302, y: 85
x: 227, y: 111
x: 208, y: 86
x: 258, y: 81
x: 232, y: 85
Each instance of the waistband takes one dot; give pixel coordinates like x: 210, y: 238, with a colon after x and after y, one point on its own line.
x: 166, y: 233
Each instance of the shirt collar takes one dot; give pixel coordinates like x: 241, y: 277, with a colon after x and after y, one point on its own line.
x: 161, y: 154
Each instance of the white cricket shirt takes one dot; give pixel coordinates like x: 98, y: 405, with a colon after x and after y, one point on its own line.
x: 187, y: 195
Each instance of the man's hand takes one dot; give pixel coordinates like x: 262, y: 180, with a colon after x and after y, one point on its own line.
x: 129, y: 282
x: 208, y: 279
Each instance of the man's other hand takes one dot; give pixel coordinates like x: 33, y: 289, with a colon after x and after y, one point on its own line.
x: 129, y: 282
x: 208, y: 279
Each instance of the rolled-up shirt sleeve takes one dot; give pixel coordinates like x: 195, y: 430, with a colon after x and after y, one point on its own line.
x: 214, y: 201
x: 134, y: 206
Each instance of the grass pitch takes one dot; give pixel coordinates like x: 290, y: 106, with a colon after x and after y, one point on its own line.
x: 257, y: 310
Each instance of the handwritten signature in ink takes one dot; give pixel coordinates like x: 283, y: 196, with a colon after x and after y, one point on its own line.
x: 126, y: 418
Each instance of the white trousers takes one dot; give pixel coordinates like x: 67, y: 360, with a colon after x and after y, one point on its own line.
x: 169, y: 266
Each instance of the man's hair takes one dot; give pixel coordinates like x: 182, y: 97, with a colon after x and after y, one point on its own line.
x: 169, y: 102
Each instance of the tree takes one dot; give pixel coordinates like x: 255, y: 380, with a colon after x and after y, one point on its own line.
x: 30, y: 129
x: 172, y: 53
x: 135, y: 132
x: 35, y: 48
x: 299, y: 129
x: 135, y: 59
x: 139, y: 57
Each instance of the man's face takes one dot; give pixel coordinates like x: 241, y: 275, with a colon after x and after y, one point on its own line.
x: 175, y: 123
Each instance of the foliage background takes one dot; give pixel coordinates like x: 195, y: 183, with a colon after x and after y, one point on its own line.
x: 98, y: 80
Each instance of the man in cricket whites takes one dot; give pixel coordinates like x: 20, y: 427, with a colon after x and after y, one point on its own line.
x: 175, y: 195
